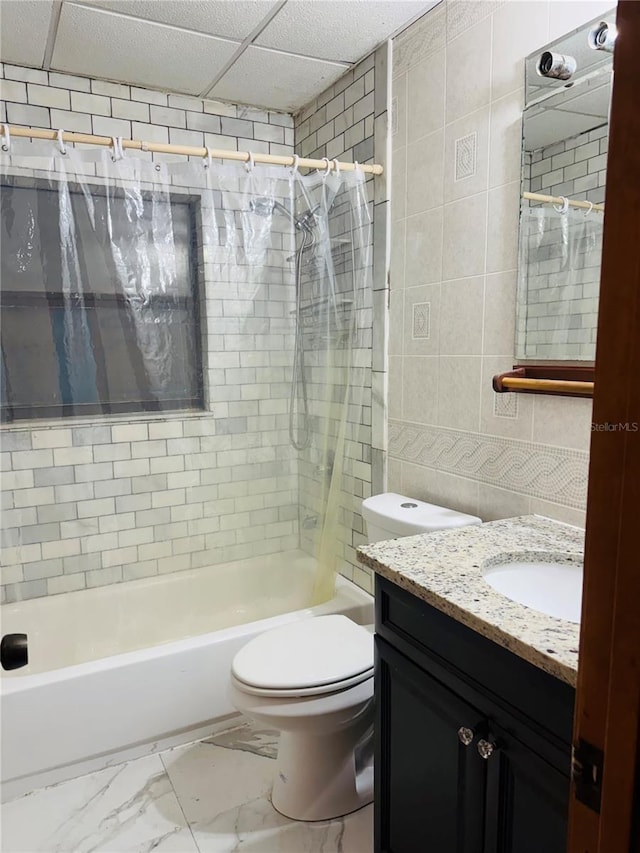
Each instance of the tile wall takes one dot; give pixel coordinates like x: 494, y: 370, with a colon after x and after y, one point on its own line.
x: 455, y: 199
x: 98, y: 501
x: 349, y: 121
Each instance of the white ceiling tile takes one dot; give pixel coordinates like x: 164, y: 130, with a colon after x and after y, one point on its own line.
x: 103, y: 44
x: 340, y: 30
x: 233, y: 19
x: 24, y: 30
x: 280, y: 81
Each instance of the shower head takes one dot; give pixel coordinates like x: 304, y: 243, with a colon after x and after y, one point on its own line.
x: 264, y: 206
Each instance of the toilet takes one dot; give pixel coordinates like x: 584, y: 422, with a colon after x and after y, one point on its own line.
x: 312, y: 680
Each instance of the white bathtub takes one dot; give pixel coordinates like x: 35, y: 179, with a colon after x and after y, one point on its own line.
x: 125, y: 670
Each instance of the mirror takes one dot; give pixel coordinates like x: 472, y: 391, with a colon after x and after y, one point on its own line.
x: 564, y: 152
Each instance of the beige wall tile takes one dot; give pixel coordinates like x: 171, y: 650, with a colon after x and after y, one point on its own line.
x: 420, y: 389
x: 394, y: 475
x: 423, y: 260
x: 424, y: 186
x: 500, y: 313
x: 509, y: 415
x: 399, y: 184
x: 468, y: 71
x: 394, y: 402
x: 396, y: 322
x: 397, y: 259
x: 502, y: 233
x: 499, y: 503
x: 472, y: 130
x: 457, y: 493
x: 426, y: 300
x: 506, y: 139
x: 567, y: 514
x: 419, y: 482
x: 461, y: 305
x: 518, y: 29
x: 465, y: 237
x: 425, y: 96
x: 399, y: 112
x: 459, y: 392
x: 567, y: 15
x: 562, y: 421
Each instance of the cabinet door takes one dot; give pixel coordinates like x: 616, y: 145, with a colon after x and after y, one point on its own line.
x: 430, y: 793
x: 527, y: 800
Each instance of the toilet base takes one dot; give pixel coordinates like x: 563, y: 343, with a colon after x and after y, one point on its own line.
x: 316, y: 776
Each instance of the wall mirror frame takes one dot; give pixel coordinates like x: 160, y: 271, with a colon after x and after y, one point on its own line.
x: 564, y: 150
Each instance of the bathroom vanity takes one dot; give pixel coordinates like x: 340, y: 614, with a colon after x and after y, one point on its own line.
x: 474, y: 695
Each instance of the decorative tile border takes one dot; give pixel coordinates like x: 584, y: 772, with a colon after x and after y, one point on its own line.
x: 421, y: 39
x: 538, y: 470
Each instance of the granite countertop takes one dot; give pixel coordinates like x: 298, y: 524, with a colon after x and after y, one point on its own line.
x: 444, y: 569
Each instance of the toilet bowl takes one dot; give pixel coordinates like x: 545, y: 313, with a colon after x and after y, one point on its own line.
x: 313, y: 681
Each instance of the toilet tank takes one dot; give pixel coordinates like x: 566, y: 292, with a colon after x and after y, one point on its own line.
x: 389, y: 516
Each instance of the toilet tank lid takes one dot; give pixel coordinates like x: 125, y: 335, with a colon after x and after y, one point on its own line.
x: 408, y: 516
x: 306, y: 653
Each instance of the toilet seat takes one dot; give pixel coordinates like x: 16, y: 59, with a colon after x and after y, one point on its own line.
x: 309, y: 657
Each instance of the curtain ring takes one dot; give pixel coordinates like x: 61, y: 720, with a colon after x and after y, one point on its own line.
x: 6, y: 138
x: 564, y: 207
x: 327, y: 170
x: 250, y: 164
x: 144, y: 146
x: 117, y: 154
x: 336, y: 166
x: 61, y: 144
x: 294, y: 167
x: 206, y: 160
x: 587, y: 212
x: 356, y: 166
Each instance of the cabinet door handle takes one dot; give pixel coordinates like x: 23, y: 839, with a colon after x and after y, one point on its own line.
x: 485, y: 749
x: 465, y: 735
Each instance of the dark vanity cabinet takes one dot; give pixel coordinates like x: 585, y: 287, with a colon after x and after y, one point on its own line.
x: 472, y: 742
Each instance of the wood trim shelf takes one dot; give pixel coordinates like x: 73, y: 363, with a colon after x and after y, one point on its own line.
x: 565, y: 381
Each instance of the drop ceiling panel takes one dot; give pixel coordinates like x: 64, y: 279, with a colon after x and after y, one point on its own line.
x: 103, y: 44
x: 340, y: 30
x: 233, y: 19
x: 281, y: 81
x: 23, y: 31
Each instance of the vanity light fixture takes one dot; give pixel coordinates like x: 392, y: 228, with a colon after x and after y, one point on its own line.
x: 603, y: 36
x: 556, y: 65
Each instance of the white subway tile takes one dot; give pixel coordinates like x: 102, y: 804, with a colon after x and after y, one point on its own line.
x: 119, y: 556
x: 129, y: 432
x: 21, y: 554
x: 148, y: 96
x: 81, y: 102
x: 73, y: 455
x: 60, y: 548
x: 11, y: 90
x: 69, y: 81
x: 47, y: 96
x: 74, y: 492
x: 105, y: 126
x: 114, y: 523
x: 51, y: 438
x: 146, y: 449
x: 131, y: 467
x: 65, y: 583
x: 111, y: 90
x: 93, y: 472
x: 27, y: 75
x: 16, y: 480
x: 132, y: 110
x: 80, y: 527
x: 33, y: 497
x: 28, y: 115
x: 103, y: 577
x: 102, y: 506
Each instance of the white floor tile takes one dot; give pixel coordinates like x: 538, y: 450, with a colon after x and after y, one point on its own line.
x: 126, y: 809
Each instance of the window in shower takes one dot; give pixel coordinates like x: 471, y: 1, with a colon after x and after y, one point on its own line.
x: 99, y: 303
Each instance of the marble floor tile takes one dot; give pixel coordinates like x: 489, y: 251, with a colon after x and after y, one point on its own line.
x: 131, y: 808
x: 224, y: 784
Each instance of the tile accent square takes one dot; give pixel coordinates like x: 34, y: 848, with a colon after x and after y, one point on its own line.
x: 505, y: 405
x: 466, y: 156
x: 421, y: 327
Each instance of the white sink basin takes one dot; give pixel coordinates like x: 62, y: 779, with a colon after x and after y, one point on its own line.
x: 548, y: 582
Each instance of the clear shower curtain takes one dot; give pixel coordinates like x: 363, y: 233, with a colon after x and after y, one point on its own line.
x: 150, y: 285
x: 559, y: 279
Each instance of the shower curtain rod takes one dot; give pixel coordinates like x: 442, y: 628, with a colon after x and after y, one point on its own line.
x: 552, y: 199
x: 188, y: 150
